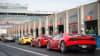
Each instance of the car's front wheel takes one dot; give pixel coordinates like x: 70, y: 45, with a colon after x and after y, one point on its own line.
x: 92, y: 50
x: 39, y: 45
x: 22, y: 42
x: 48, y: 46
x: 63, y: 47
x: 31, y: 44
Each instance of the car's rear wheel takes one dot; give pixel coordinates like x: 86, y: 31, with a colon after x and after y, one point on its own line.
x: 22, y: 42
x: 18, y: 42
x: 48, y: 46
x: 39, y: 45
x: 63, y: 47
x: 92, y: 50
x: 31, y: 44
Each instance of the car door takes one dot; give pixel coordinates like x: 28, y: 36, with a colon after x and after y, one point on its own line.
x: 53, y: 42
x: 37, y: 41
x: 58, y: 40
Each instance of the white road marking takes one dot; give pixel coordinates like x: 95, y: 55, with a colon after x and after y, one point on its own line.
x: 37, y: 53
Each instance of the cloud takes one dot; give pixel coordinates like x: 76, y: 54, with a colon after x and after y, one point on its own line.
x: 83, y: 0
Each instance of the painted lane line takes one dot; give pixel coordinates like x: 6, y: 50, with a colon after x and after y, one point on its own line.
x: 37, y: 53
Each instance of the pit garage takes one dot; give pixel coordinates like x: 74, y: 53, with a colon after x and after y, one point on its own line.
x: 73, y: 20
x: 31, y: 30
x: 42, y: 26
x: 60, y: 22
x: 91, y: 17
x: 50, y: 24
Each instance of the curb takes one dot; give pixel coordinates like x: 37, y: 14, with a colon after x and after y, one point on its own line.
x: 97, y: 48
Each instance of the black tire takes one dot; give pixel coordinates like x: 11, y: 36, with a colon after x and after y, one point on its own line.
x: 48, y: 46
x: 32, y: 44
x: 39, y: 45
x: 92, y: 50
x: 22, y: 42
x: 63, y: 47
x: 18, y: 42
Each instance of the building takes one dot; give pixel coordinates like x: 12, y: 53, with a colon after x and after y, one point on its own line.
x: 75, y: 20
x: 14, y: 14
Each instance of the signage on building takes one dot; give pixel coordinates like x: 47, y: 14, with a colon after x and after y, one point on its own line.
x: 90, y: 12
x: 89, y: 17
x: 72, y: 16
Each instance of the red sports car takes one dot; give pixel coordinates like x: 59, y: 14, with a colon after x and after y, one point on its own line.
x: 40, y: 41
x: 65, y: 42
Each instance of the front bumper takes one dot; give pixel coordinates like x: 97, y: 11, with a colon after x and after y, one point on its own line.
x: 26, y: 41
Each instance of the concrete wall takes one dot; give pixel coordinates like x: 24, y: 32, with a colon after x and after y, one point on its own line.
x: 90, y: 10
x: 76, y: 15
x: 74, y: 19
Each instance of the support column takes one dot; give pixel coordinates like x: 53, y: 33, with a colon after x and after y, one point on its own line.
x: 98, y: 17
x: 25, y: 29
x: 55, y: 23
x: 34, y: 29
x: 29, y: 30
x: 21, y: 30
x: 78, y: 13
x: 67, y: 22
x: 46, y: 25
x: 39, y: 27
x: 18, y: 31
x: 82, y: 20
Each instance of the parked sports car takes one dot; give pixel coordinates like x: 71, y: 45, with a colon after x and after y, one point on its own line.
x: 69, y: 41
x: 6, y: 38
x: 0, y: 38
x: 25, y: 39
x: 40, y: 41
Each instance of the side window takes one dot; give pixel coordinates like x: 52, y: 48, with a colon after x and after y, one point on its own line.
x: 38, y: 37
x: 60, y: 36
x: 25, y: 36
x: 56, y: 37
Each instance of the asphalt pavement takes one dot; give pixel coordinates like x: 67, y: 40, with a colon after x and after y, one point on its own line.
x: 14, y: 49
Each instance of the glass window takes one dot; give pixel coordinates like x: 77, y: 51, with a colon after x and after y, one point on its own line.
x: 60, y: 36
x: 78, y: 35
x: 47, y: 36
x: 56, y: 37
x: 28, y: 36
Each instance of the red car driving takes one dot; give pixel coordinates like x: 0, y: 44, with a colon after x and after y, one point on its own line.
x: 40, y: 41
x: 65, y: 42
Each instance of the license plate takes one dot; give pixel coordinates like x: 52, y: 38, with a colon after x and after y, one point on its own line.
x: 84, y: 46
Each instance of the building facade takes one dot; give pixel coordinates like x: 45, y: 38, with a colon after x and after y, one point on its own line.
x: 76, y: 20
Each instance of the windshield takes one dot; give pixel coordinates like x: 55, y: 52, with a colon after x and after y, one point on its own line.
x: 28, y: 36
x: 78, y: 35
x: 47, y: 36
x: 6, y: 35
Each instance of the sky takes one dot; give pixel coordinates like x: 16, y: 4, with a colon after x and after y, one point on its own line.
x: 49, y: 5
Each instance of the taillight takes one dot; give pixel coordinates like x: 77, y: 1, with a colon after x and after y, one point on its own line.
x: 92, y: 39
x: 73, y: 39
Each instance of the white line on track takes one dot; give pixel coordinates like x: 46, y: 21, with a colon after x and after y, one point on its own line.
x: 33, y: 52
